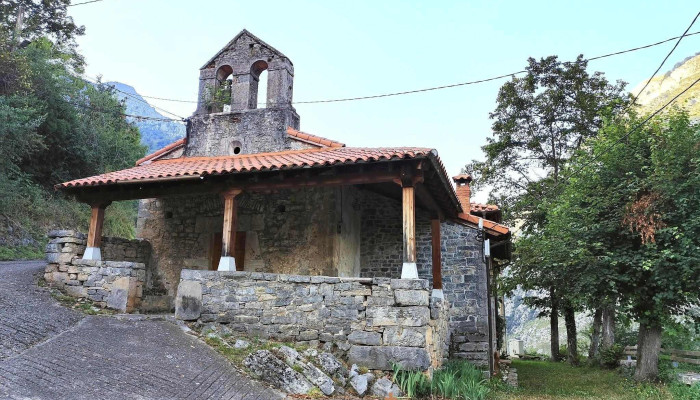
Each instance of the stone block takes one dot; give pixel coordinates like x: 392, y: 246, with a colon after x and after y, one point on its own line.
x: 119, y: 294
x: 392, y: 316
x: 188, y: 305
x: 411, y: 297
x: 405, y: 336
x: 412, y: 284
x: 382, y: 357
x: 365, y: 338
x: 76, y: 291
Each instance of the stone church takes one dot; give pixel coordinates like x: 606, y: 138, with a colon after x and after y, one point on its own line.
x: 251, y: 222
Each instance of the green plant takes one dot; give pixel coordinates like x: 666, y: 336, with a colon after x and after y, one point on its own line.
x: 610, y: 357
x: 455, y: 380
x: 412, y: 383
x: 315, y: 393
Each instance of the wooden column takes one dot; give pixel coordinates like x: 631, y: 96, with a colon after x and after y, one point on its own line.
x: 409, y: 269
x: 94, y: 240
x: 437, y: 254
x: 228, y: 237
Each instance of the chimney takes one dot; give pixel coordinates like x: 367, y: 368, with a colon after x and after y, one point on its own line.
x: 463, y: 191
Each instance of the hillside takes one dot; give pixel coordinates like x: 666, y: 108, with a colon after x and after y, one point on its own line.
x: 154, y: 134
x: 663, y: 87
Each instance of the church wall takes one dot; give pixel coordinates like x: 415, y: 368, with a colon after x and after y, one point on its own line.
x: 286, y: 232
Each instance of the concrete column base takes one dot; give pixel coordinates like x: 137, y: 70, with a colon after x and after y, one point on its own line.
x: 409, y: 271
x: 92, y: 253
x: 227, y: 263
x: 438, y: 293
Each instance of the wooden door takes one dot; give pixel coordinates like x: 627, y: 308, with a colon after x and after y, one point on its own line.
x: 215, y: 251
x: 239, y: 251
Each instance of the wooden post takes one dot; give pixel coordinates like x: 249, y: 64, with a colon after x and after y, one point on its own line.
x: 409, y: 269
x: 228, y: 238
x: 437, y: 257
x: 94, y: 240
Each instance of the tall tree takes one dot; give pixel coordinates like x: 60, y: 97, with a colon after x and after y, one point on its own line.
x: 633, y: 210
x: 540, y: 120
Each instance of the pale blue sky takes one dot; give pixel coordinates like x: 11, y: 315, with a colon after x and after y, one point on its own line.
x: 356, y: 48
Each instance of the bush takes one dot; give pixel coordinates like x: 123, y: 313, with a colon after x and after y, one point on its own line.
x: 610, y: 357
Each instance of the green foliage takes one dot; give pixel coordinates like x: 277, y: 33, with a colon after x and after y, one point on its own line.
x: 455, y: 380
x: 412, y: 383
x: 215, y: 98
x: 610, y: 357
x: 56, y: 127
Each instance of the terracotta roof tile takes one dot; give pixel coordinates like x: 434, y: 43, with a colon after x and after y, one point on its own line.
x: 489, y: 226
x: 313, y: 139
x: 479, y: 207
x: 160, y: 152
x: 291, y: 159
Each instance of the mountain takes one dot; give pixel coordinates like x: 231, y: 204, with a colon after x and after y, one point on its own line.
x: 662, y: 88
x: 154, y: 133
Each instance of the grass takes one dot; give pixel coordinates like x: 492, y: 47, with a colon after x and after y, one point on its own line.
x: 9, y: 253
x: 548, y: 380
x: 223, y: 344
x: 83, y: 305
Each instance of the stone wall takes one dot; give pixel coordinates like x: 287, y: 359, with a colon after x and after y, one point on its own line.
x: 381, y: 247
x: 307, y: 231
x: 373, y: 321
x: 464, y: 283
x: 111, y: 284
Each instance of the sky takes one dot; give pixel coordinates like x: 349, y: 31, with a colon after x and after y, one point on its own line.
x: 357, y: 48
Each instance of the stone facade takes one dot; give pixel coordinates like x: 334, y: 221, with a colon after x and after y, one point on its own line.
x: 373, y: 321
x: 291, y: 231
x: 464, y: 282
x: 111, y: 284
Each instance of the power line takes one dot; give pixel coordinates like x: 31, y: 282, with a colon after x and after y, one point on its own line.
x: 93, y: 81
x: 100, y: 110
x: 623, y: 137
x: 461, y: 83
x: 85, y: 2
x: 634, y: 100
x: 556, y: 185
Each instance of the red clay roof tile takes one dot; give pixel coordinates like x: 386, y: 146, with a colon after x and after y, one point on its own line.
x: 313, y: 139
x: 159, y: 152
x: 290, y: 159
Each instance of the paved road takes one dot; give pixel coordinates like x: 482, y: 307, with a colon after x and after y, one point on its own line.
x: 50, y: 352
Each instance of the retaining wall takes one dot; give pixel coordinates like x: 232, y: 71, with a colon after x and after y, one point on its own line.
x: 372, y: 321
x: 111, y: 284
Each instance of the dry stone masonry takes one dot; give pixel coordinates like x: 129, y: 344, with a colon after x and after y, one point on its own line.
x: 112, y: 284
x: 372, y: 321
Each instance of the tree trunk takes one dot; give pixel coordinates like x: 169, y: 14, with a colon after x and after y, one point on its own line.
x: 648, y: 348
x: 607, y: 338
x: 571, y: 342
x: 554, y: 327
x: 595, y: 335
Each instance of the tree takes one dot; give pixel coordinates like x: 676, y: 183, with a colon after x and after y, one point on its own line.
x: 540, y: 120
x: 634, y: 206
x: 55, y: 127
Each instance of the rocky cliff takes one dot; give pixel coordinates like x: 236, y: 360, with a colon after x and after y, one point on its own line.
x: 663, y: 88
x: 154, y: 134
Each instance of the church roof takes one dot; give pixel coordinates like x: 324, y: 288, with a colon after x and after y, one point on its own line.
x: 281, y: 160
x: 235, y: 38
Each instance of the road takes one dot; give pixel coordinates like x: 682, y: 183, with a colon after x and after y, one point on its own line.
x: 50, y: 352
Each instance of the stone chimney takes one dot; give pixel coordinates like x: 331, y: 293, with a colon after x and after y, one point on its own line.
x: 463, y: 191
